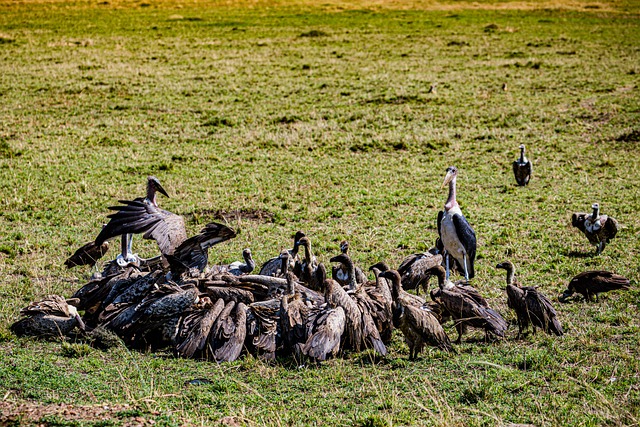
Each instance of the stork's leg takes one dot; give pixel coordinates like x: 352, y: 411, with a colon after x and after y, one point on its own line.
x: 131, y: 257
x: 124, y: 245
x: 446, y: 262
x: 466, y: 273
x: 601, y: 246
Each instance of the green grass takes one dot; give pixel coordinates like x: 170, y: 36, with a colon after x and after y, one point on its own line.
x: 320, y: 118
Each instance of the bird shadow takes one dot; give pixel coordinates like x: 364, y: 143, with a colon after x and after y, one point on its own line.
x: 577, y: 254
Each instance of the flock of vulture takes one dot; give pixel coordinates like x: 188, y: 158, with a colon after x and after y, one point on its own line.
x: 291, y: 307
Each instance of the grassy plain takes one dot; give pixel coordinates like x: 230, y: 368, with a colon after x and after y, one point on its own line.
x: 318, y: 116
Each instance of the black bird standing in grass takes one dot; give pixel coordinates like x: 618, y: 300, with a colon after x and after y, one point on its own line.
x: 599, y: 229
x: 522, y: 168
x: 457, y: 236
x: 593, y: 283
x: 531, y: 306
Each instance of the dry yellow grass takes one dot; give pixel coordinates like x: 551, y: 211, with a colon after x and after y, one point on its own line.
x: 617, y: 6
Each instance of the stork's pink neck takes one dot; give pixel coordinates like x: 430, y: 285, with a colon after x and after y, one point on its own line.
x: 451, y: 200
x: 151, y: 194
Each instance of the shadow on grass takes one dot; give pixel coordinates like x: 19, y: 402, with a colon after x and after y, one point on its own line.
x: 577, y: 254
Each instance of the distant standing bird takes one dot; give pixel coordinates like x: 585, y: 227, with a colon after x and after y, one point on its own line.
x: 591, y: 283
x: 531, y: 306
x: 522, y: 168
x: 457, y: 236
x: 599, y: 229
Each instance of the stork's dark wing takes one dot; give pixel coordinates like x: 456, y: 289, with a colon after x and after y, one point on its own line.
x: 440, y: 215
x: 194, y: 251
x: 468, y: 238
x: 137, y: 216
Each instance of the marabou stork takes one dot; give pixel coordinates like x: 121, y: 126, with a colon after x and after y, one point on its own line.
x: 143, y: 216
x: 457, y: 236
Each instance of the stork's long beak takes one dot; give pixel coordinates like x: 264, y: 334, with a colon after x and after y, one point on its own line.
x: 447, y: 178
x: 161, y: 190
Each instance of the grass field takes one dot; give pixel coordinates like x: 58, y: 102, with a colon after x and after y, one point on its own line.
x: 282, y: 116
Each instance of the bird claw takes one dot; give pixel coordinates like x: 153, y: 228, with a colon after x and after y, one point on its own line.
x: 131, y: 259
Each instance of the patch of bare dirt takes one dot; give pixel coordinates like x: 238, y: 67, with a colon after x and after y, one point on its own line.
x: 27, y: 413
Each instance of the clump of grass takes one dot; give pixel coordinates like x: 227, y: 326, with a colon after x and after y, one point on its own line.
x: 74, y: 351
x: 218, y: 122
x: 6, y: 151
x: 313, y: 33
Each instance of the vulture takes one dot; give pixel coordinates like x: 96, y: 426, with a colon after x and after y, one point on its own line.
x: 339, y: 274
x: 262, y: 328
x: 194, y: 251
x: 306, y: 268
x: 414, y: 270
x: 325, y: 327
x: 336, y: 296
x: 599, y: 229
x: 293, y: 318
x: 522, y: 168
x: 465, y: 309
x: 52, y: 316
x: 92, y: 295
x: 127, y: 293
x: 238, y: 268
x: 457, y: 236
x: 590, y: 283
x: 532, y: 307
x: 374, y: 317
x: 417, y: 323
x: 228, y: 333
x: 158, y: 313
x: 272, y: 267
x: 195, y: 328
x: 88, y: 254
